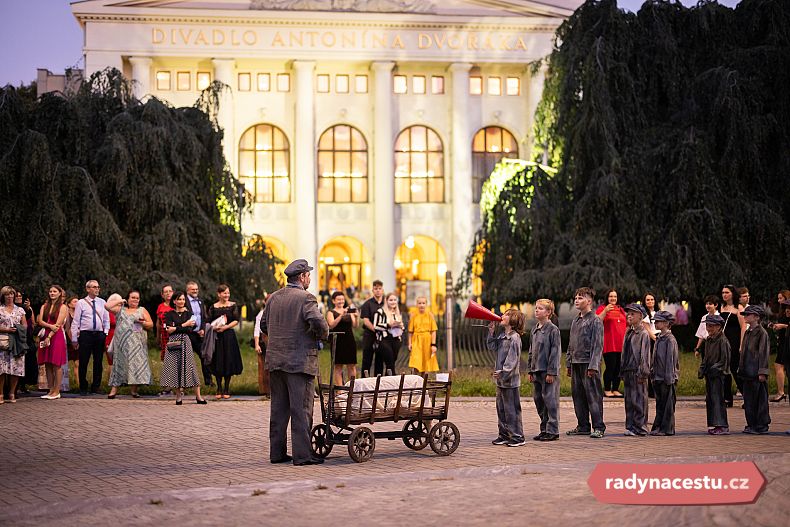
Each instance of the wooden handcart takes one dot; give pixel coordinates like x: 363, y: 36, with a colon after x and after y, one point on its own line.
x: 347, y: 414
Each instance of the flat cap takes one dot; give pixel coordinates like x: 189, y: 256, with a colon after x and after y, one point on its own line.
x: 636, y: 307
x: 664, y: 316
x: 753, y: 310
x: 714, y: 320
x: 297, y: 267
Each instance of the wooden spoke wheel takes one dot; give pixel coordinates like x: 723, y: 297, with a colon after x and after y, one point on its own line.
x: 361, y: 444
x: 444, y: 438
x: 411, y: 427
x: 320, y: 444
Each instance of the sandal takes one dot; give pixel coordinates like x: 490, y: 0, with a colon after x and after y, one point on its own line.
x: 779, y: 398
x: 218, y: 396
x: 226, y: 396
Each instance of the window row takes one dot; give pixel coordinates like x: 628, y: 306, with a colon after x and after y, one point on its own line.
x: 419, y: 84
x: 183, y: 80
x: 342, y: 163
x: 263, y: 82
x: 493, y: 85
x: 323, y: 83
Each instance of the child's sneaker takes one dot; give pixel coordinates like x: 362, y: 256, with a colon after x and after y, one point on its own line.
x: 577, y: 432
x: 629, y: 433
x: 500, y: 441
x: 720, y: 431
x: 517, y: 442
x: 597, y: 434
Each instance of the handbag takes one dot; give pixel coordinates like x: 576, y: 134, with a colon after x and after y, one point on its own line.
x: 5, y: 342
x: 173, y: 345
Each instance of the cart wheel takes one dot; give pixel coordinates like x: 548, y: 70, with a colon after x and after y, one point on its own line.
x: 415, y: 443
x: 361, y: 444
x: 319, y: 443
x: 444, y: 438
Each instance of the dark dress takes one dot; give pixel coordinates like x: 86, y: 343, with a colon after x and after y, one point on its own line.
x: 782, y: 341
x: 732, y: 331
x: 346, y: 347
x: 31, y: 361
x: 227, y: 356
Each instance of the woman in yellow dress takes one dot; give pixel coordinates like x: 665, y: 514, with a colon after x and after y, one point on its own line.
x: 422, y: 341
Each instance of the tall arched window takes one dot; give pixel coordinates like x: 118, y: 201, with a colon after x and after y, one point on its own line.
x: 419, y: 166
x: 489, y: 146
x: 342, y: 165
x: 264, y: 166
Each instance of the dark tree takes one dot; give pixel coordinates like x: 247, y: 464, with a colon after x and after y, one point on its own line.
x: 670, y: 129
x: 100, y: 185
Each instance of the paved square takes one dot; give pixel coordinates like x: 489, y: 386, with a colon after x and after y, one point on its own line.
x: 126, y: 461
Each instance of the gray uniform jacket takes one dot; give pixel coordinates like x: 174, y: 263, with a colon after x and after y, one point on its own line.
x: 665, y: 365
x: 544, y: 349
x: 585, y: 345
x: 294, y: 325
x: 754, y: 354
x: 508, y: 358
x: 716, y: 360
x: 636, y: 352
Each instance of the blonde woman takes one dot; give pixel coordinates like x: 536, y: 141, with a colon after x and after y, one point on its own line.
x: 53, y: 352
x: 388, y: 323
x: 130, y: 344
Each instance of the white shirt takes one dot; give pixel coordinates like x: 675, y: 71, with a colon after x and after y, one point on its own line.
x: 256, y: 331
x: 702, y: 330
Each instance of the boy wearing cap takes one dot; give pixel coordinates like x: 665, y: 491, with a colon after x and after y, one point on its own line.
x: 753, y: 370
x: 544, y: 365
x: 635, y: 370
x: 715, y: 369
x: 664, y: 370
x: 583, y: 361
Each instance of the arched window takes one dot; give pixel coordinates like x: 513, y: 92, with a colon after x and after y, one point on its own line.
x: 489, y: 146
x: 342, y: 165
x: 264, y: 166
x: 419, y: 166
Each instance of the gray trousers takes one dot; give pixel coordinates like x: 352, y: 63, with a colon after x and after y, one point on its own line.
x: 587, y: 394
x: 508, y: 412
x: 715, y: 405
x: 635, y: 402
x: 755, y: 403
x: 292, y: 399
x: 665, y: 408
x: 547, y: 402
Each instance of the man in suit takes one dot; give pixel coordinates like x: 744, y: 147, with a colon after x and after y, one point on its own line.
x: 293, y: 326
x: 196, y: 306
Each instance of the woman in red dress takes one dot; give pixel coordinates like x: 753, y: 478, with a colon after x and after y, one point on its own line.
x: 614, y: 326
x: 53, y: 353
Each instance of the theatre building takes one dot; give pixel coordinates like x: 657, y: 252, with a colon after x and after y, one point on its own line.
x: 362, y: 129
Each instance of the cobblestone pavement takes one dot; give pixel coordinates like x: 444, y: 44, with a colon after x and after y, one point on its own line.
x: 94, y: 461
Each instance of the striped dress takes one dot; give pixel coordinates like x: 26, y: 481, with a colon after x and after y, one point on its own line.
x: 130, y: 351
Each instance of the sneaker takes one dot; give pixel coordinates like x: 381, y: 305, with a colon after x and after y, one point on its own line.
x: 641, y: 433
x: 500, y: 441
x: 720, y: 431
x: 597, y: 434
x: 550, y: 437
x: 577, y: 432
x: 539, y: 436
x: 629, y: 433
x: 657, y: 433
x: 517, y: 442
x: 748, y: 430
x: 762, y: 432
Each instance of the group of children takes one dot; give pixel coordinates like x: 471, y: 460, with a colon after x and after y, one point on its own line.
x: 640, y: 364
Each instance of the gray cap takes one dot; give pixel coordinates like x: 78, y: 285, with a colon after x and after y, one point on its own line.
x: 297, y: 267
x: 714, y: 320
x: 753, y: 310
x: 664, y: 316
x: 637, y: 308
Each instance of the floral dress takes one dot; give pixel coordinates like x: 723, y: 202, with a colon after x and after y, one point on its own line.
x: 9, y: 365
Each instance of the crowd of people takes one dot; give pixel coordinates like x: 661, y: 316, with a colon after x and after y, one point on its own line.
x: 637, y: 347
x: 37, y: 350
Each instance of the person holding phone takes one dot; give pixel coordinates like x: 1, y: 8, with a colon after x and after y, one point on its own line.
x: 178, y: 368
x: 342, y: 319
x: 226, y: 361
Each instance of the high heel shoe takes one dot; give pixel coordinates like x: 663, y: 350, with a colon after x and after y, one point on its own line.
x: 201, y: 401
x: 779, y: 398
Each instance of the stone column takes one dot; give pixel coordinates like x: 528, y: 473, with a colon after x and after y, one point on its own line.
x: 383, y: 176
x: 224, y: 73
x: 461, y: 168
x: 141, y: 75
x: 304, y: 173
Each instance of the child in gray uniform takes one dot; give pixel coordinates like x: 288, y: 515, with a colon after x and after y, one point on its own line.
x: 585, y: 349
x: 753, y: 370
x: 715, y: 369
x: 507, y: 346
x: 635, y: 370
x: 664, y: 371
x: 544, y: 364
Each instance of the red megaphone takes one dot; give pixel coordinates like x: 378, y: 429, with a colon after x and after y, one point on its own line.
x: 477, y: 311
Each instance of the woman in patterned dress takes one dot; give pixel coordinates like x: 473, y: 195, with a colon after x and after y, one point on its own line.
x: 11, y: 367
x: 130, y: 344
x: 53, y: 353
x: 226, y: 360
x: 178, y: 368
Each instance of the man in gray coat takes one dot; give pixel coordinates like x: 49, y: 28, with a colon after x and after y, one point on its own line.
x: 293, y: 326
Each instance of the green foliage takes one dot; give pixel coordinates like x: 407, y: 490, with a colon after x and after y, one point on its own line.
x: 670, y: 129
x: 101, y: 185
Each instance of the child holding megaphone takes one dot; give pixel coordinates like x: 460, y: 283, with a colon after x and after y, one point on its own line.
x: 507, y: 346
